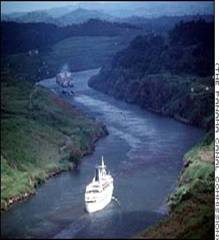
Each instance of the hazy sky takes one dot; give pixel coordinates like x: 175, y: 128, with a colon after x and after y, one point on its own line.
x: 21, y: 6
x: 8, y: 7
x: 25, y: 6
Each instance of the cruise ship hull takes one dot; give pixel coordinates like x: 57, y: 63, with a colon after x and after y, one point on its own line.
x: 101, y: 203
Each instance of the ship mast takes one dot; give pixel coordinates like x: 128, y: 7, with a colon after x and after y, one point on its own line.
x: 103, y: 163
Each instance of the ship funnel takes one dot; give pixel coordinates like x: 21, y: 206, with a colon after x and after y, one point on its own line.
x: 102, y: 162
x: 97, y: 175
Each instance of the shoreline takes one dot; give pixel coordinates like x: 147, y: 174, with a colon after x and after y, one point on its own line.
x: 160, y: 112
x: 69, y: 166
x: 191, y: 199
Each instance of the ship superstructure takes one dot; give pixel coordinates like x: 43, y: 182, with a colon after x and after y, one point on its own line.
x: 99, y: 191
x: 65, y: 79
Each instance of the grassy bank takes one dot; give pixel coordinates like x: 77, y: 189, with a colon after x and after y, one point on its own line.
x: 192, y: 205
x: 41, y: 135
x: 78, y: 53
x: 81, y: 52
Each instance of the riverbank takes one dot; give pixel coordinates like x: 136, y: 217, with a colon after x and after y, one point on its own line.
x: 148, y: 73
x: 192, y: 204
x: 42, y: 135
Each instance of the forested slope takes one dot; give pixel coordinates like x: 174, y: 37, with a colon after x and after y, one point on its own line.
x: 172, y: 75
x: 22, y: 37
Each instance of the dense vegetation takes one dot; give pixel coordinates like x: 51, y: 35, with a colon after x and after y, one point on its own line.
x: 40, y: 135
x: 78, y: 53
x: 164, y: 23
x: 192, y: 215
x: 84, y: 52
x: 173, y: 76
x: 44, y: 135
x: 170, y: 75
x: 22, y: 37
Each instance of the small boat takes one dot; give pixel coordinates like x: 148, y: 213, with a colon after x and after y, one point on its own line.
x: 99, y: 191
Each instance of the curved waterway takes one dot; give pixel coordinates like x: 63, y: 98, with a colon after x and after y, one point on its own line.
x: 144, y: 153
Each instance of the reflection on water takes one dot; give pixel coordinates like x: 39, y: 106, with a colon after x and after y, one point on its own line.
x: 144, y: 153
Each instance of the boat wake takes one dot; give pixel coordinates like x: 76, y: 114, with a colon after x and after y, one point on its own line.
x: 116, y: 200
x: 73, y: 228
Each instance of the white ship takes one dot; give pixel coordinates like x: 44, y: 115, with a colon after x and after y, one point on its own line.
x: 65, y: 79
x: 99, y: 192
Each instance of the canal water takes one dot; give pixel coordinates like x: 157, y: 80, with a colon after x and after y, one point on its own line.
x: 143, y: 152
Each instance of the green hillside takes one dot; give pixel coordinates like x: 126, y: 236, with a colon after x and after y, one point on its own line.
x: 40, y: 136
x: 192, y: 204
x: 170, y: 75
x: 43, y: 35
x: 81, y: 52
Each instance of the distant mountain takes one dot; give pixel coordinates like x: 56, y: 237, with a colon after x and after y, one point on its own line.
x: 60, y: 11
x: 36, y: 17
x: 12, y: 15
x: 81, y: 15
x: 5, y: 18
x: 30, y: 17
x: 59, y: 17
x: 83, y: 11
x: 150, y: 9
x: 52, y: 13
x: 162, y: 24
x: 75, y: 16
